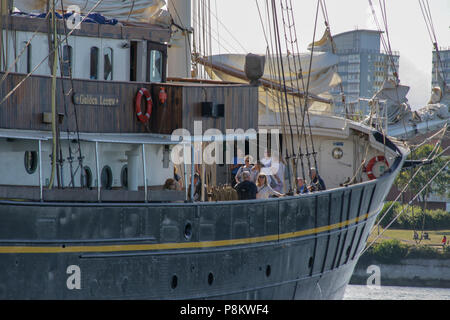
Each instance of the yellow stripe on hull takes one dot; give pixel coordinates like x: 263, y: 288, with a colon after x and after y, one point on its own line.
x: 172, y: 246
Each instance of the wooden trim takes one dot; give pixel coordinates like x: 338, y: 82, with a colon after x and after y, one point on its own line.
x: 120, y: 31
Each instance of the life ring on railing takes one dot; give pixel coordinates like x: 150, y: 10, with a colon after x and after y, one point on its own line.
x: 371, y: 163
x: 144, y: 117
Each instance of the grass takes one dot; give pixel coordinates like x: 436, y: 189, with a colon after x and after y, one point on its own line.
x: 406, y: 236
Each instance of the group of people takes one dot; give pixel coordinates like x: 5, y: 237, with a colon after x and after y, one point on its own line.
x: 317, y: 183
x: 266, y: 179
x: 260, y: 180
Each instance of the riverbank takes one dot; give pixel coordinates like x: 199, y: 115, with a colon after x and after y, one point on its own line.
x: 406, y: 272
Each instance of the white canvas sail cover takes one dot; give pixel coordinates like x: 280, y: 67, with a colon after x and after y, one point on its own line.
x: 149, y: 11
x: 323, y: 76
x: 396, y: 103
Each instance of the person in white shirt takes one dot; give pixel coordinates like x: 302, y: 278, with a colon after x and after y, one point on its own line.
x: 256, y: 169
x: 264, y: 189
x: 277, y: 169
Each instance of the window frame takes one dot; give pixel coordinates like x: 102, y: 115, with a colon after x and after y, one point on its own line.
x: 151, y: 46
x: 97, y: 67
x: 67, y: 63
x: 105, y: 78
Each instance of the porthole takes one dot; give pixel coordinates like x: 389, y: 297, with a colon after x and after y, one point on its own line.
x: 188, y: 231
x: 124, y: 176
x: 210, y: 278
x: 310, y: 262
x: 268, y: 271
x: 174, y: 282
x: 106, y: 177
x: 86, y: 177
x: 31, y: 161
x: 337, y: 153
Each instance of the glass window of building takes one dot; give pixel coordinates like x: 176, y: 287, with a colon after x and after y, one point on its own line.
x: 94, y: 63
x: 24, y: 63
x: 156, y: 65
x: 67, y: 56
x: 108, y: 64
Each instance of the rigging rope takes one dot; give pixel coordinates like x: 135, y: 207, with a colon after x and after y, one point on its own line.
x: 307, y: 88
x: 277, y: 100
x: 386, y: 45
x: 80, y: 153
x: 435, y: 148
x: 426, y: 13
x: 333, y: 50
x: 293, y: 53
x: 409, y: 203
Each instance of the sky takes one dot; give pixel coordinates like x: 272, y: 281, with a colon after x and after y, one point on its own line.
x: 239, y: 28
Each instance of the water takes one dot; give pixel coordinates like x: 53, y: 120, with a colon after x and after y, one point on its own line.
x: 361, y: 292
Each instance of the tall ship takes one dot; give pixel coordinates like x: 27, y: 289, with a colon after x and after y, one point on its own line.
x: 96, y: 98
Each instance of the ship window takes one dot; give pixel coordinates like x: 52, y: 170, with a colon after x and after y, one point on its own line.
x: 94, y: 63
x: 108, y: 64
x: 156, y: 63
x: 106, y: 177
x: 24, y: 64
x: 67, y: 55
x: 86, y: 177
x: 31, y: 161
x: 124, y: 176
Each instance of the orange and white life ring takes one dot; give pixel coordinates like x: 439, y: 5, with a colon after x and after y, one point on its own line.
x: 371, y: 163
x: 144, y: 117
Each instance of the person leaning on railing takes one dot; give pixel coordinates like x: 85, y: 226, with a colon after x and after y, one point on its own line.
x: 264, y: 189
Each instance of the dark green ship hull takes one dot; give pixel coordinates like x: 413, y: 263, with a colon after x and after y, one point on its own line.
x: 301, y: 247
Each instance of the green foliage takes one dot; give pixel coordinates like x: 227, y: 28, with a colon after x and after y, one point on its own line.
x: 423, y: 252
x: 390, y: 215
x: 439, y: 185
x: 414, y: 218
x: 392, y: 251
x: 389, y: 251
x: 447, y: 251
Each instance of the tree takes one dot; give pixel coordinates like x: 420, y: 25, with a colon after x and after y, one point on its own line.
x: 440, y: 184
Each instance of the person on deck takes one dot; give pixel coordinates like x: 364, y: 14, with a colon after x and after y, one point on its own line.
x: 317, y: 183
x: 278, y: 167
x: 256, y: 169
x: 301, y: 186
x: 246, y: 189
x: 170, y: 184
x: 237, y: 163
x: 177, y: 178
x: 247, y: 167
x: 197, y: 188
x: 264, y: 189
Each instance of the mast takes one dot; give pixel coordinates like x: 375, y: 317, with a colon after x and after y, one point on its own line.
x: 5, y: 6
x: 179, y: 51
x: 53, y: 93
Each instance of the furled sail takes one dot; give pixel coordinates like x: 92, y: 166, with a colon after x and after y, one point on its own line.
x: 149, y: 11
x: 323, y: 76
x: 396, y: 102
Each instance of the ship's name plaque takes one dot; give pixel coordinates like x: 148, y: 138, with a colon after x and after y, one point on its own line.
x: 95, y: 99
